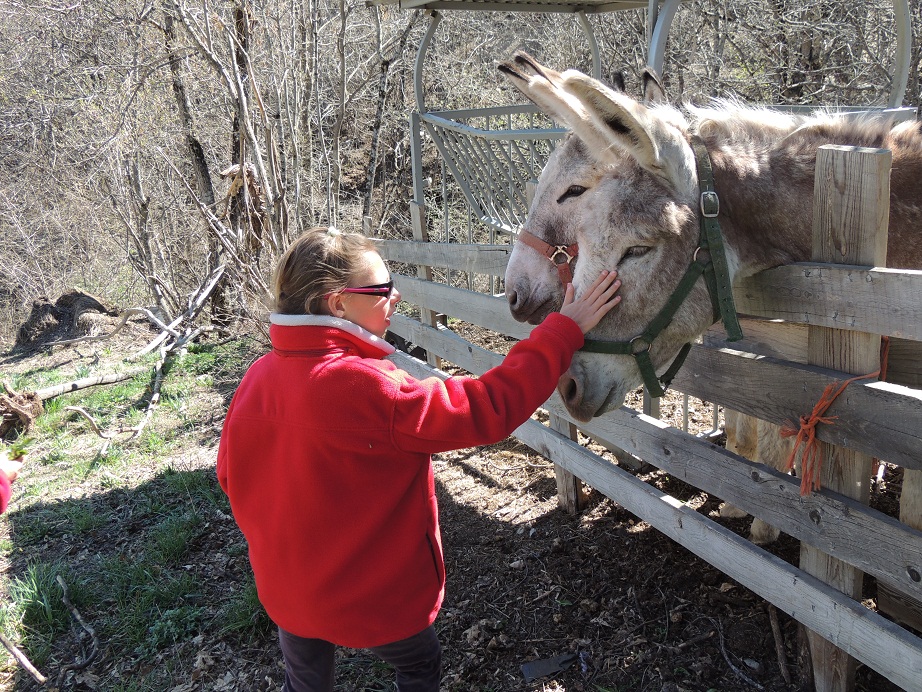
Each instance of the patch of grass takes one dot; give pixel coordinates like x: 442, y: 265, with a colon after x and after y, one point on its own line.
x: 83, y: 517
x: 197, y: 486
x: 244, y: 615
x: 171, y: 539
x: 173, y: 625
x: 154, y: 606
x: 36, y: 609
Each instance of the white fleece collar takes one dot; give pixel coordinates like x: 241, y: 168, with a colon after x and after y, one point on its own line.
x: 352, y: 328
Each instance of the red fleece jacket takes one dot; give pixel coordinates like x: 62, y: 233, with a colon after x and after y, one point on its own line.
x: 5, y: 492
x: 325, y: 456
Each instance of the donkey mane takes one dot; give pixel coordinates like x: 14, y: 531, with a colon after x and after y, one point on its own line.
x: 733, y: 122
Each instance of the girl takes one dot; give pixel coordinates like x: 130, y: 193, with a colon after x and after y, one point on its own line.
x: 325, y: 456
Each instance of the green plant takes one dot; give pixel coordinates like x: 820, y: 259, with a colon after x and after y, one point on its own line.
x: 171, y: 626
x: 19, y: 447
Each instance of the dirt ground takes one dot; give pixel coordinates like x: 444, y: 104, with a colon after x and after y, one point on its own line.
x: 537, y: 599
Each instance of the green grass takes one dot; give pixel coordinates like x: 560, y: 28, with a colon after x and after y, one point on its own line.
x: 172, y: 537
x: 36, y: 610
x: 244, y: 614
x: 125, y: 529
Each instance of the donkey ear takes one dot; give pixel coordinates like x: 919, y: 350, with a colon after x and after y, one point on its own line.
x: 617, y: 82
x: 544, y: 87
x: 608, y: 122
x: 653, y: 91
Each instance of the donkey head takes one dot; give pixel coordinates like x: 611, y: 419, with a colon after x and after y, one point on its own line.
x: 624, y: 187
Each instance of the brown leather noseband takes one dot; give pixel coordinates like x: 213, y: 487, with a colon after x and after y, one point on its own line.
x: 560, y: 255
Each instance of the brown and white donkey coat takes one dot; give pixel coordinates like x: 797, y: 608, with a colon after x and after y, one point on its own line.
x: 624, y: 187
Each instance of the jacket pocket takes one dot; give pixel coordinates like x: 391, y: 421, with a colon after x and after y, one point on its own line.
x: 437, y: 563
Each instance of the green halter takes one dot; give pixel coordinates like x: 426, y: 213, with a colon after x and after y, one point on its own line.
x: 709, y: 260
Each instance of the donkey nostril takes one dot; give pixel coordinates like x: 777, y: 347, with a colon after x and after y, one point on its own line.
x: 513, y: 298
x: 568, y: 388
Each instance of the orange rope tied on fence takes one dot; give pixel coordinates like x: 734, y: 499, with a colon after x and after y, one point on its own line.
x: 812, y: 459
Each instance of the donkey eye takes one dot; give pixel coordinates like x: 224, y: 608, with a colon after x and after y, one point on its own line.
x: 572, y: 191
x: 635, y: 251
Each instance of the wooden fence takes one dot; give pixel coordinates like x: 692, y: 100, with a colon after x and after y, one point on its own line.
x: 834, y: 315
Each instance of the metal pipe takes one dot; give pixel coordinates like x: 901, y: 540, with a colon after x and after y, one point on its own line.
x: 652, y: 12
x: 903, y: 53
x: 656, y: 57
x: 434, y: 20
x: 593, y: 44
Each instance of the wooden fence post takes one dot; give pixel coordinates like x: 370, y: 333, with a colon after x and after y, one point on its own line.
x: 850, y: 212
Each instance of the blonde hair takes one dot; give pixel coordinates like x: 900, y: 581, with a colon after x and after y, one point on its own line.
x: 321, y: 261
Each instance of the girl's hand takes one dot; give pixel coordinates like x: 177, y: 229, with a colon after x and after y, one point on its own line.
x: 8, y: 467
x: 595, y: 303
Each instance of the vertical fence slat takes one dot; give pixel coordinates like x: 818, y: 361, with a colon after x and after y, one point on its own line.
x: 850, y: 213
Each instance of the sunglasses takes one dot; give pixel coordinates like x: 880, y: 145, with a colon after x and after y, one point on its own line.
x: 385, y: 290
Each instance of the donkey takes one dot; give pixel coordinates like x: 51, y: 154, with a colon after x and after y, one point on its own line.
x: 622, y: 189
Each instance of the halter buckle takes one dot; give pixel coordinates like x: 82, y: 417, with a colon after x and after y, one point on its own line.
x: 560, y: 250
x: 641, y: 340
x: 710, y: 204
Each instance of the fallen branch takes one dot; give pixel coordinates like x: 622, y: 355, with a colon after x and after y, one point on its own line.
x: 154, y: 397
x: 197, y: 301
x: 736, y: 671
x: 94, y: 646
x: 111, y: 378
x: 22, y: 660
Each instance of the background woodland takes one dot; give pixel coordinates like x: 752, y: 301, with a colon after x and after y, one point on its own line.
x: 145, y: 143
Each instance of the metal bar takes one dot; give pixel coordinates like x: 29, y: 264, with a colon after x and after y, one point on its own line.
x: 657, y: 49
x: 593, y: 44
x: 903, y: 54
x: 434, y: 20
x: 416, y: 156
x: 549, y: 133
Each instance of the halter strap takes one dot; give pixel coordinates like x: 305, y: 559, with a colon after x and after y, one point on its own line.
x: 560, y: 255
x: 710, y: 261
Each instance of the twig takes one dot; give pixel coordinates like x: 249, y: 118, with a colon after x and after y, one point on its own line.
x: 779, y: 643
x: 736, y: 671
x: 89, y: 418
x: 22, y: 660
x: 105, y: 436
x: 94, y: 647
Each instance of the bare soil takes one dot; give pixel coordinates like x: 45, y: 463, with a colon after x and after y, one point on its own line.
x: 617, y: 604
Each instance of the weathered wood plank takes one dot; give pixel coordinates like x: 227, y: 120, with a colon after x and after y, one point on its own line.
x: 477, y: 308
x: 860, y: 298
x: 479, y: 259
x: 788, y: 341
x: 861, y: 536
x: 878, y: 418
x: 876, y: 300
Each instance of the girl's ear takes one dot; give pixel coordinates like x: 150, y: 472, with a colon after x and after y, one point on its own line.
x: 334, y: 304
